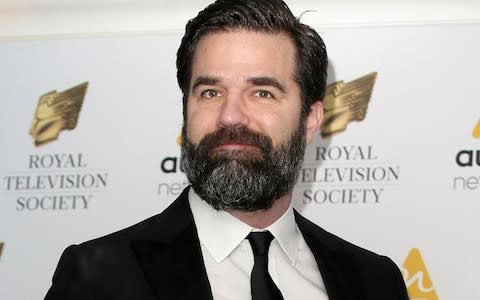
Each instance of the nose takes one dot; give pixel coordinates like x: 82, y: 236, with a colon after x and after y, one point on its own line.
x: 233, y: 112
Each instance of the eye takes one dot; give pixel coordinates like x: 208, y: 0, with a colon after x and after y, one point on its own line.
x: 263, y: 94
x: 209, y: 94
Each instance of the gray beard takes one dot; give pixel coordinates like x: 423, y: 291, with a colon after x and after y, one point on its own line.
x: 239, y: 181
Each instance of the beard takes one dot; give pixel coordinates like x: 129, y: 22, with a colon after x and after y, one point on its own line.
x: 249, y: 179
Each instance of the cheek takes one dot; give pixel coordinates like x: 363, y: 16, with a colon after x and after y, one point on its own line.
x: 279, y: 126
x: 199, y: 124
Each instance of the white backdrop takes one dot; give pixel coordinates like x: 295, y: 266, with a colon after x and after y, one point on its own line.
x: 423, y: 110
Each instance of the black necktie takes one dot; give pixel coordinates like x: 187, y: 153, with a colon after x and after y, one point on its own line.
x: 262, y: 285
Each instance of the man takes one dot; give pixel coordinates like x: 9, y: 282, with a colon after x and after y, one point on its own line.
x: 252, y: 78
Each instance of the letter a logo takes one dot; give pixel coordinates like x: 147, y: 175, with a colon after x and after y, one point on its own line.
x: 417, y: 280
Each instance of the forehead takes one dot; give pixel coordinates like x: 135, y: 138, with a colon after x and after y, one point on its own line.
x: 244, y: 53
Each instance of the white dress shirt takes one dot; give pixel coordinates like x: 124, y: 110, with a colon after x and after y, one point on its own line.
x: 228, y: 256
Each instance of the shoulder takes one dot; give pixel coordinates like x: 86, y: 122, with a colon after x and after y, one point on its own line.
x: 369, y: 271
x: 317, y: 236
x: 163, y: 226
x: 86, y: 265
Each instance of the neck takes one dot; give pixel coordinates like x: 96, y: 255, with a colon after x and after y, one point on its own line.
x: 264, y: 217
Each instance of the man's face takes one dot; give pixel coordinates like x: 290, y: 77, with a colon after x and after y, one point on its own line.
x: 244, y: 133
x: 243, y: 78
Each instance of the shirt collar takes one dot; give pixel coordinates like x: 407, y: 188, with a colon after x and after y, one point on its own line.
x: 221, y: 233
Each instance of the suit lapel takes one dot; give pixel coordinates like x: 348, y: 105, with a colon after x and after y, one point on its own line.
x: 336, y: 266
x: 172, y: 261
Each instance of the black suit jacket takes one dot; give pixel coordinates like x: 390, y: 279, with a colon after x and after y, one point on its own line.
x: 160, y: 258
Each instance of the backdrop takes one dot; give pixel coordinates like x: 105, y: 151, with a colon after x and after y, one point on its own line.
x: 404, y: 181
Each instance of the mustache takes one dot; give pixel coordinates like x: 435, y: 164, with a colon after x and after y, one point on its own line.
x: 235, y: 135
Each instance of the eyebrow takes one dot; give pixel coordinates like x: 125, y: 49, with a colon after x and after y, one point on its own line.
x: 258, y: 81
x: 267, y: 81
x: 204, y: 80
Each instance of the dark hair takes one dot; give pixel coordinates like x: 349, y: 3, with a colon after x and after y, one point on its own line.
x: 269, y: 16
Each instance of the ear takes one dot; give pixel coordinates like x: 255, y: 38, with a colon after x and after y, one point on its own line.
x: 314, y: 120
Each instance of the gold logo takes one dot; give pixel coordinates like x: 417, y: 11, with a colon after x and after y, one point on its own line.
x: 476, y: 130
x: 1, y: 248
x: 56, y: 112
x: 417, y: 280
x: 346, y: 102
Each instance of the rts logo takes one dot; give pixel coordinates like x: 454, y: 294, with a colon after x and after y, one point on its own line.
x: 345, y: 103
x: 56, y: 112
x: 418, y: 282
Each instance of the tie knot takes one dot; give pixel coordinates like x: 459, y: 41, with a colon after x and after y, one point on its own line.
x: 260, y: 242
